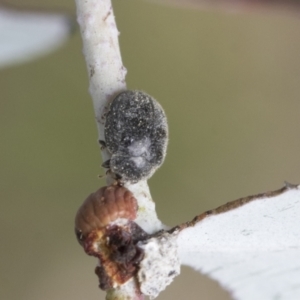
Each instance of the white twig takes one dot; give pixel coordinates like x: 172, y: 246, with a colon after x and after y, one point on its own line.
x: 107, y: 79
x: 102, y: 54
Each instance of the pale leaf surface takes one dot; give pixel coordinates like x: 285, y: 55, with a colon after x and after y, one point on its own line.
x: 251, y: 246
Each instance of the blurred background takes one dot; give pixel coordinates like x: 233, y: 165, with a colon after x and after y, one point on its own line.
x: 229, y: 84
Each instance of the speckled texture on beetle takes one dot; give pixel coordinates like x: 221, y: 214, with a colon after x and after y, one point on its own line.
x: 136, y: 135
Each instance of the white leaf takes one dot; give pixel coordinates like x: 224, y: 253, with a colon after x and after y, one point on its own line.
x: 251, y: 246
x: 26, y: 35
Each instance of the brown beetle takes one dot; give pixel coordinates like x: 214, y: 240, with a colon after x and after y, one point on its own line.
x: 103, y: 207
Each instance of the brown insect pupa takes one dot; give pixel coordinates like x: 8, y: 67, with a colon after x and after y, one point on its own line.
x: 103, y: 207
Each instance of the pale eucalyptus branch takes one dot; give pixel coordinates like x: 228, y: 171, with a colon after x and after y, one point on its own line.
x: 107, y: 79
x: 102, y: 54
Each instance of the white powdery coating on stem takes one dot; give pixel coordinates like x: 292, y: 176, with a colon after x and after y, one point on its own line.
x: 160, y: 265
x: 127, y: 291
x: 107, y: 79
x: 146, y: 217
x: 102, y: 54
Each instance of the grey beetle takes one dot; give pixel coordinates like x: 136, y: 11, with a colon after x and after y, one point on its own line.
x: 136, y: 135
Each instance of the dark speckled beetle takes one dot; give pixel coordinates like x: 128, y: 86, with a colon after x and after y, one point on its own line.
x: 136, y: 135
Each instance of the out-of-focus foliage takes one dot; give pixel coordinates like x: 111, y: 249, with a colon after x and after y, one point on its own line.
x: 27, y: 34
x: 230, y: 87
x: 239, y: 6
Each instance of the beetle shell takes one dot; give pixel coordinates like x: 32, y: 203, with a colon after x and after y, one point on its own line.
x: 136, y: 135
x: 103, y: 207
